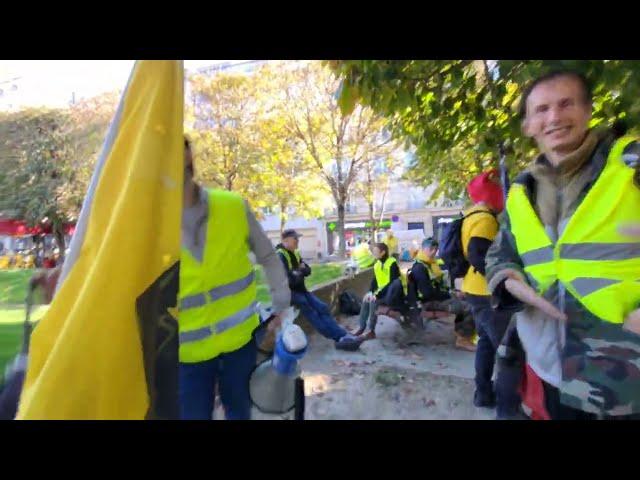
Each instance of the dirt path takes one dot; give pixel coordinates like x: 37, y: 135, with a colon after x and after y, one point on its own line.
x: 388, y: 381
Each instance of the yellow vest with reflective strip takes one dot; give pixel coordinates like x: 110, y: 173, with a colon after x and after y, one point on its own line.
x: 285, y: 253
x: 383, y: 272
x: 217, y: 297
x: 596, y: 264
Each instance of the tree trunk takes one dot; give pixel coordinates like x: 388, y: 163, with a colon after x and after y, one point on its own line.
x: 372, y: 219
x: 283, y: 219
x: 341, y: 239
x: 58, y: 232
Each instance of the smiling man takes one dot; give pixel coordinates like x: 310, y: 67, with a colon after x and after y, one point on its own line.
x: 562, y: 235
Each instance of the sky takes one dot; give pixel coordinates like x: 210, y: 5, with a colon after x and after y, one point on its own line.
x: 52, y: 82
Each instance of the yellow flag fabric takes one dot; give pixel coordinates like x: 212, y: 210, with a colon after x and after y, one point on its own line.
x: 86, y: 358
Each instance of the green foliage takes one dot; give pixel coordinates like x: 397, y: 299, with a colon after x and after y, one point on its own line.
x: 454, y: 113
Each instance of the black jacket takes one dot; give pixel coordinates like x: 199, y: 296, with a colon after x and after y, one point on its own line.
x: 297, y: 272
x: 420, y: 276
x: 394, y: 272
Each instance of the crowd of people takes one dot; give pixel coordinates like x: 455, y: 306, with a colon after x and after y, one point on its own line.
x: 548, y: 299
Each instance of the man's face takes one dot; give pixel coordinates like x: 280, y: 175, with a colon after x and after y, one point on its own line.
x: 290, y: 243
x: 377, y: 252
x: 557, y: 116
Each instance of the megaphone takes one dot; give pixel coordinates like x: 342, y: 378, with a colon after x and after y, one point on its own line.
x: 272, y: 384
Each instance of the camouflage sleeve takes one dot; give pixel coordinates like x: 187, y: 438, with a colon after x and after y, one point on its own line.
x: 501, y: 259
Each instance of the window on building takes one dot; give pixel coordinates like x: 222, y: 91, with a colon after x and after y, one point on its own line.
x: 415, y: 226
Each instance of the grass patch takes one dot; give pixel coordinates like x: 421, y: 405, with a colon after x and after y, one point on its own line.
x: 13, y: 290
x: 13, y: 286
x: 319, y: 274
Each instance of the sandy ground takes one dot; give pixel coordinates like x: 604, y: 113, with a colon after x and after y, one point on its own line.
x: 389, y: 380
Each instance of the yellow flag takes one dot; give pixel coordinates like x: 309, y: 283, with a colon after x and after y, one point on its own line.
x: 107, y: 347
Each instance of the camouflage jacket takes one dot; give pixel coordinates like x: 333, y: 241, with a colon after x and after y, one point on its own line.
x: 595, y: 364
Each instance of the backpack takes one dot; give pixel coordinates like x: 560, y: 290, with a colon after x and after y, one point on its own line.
x: 350, y: 304
x: 451, y: 251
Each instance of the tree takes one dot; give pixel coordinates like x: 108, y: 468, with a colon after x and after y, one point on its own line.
x: 374, y: 182
x: 289, y: 179
x: 337, y: 143
x: 48, y: 156
x: 36, y: 176
x: 456, y: 112
x: 223, y: 120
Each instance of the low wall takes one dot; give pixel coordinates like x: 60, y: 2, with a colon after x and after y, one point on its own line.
x: 329, y: 293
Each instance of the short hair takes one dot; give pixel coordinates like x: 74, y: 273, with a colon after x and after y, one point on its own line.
x: 582, y: 79
x: 429, y: 243
x: 383, y: 247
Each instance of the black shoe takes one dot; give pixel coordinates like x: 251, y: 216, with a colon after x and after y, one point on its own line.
x: 415, y: 319
x: 484, y: 401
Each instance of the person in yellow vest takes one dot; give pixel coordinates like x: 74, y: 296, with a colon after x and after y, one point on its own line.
x: 386, y: 289
x: 392, y: 243
x: 425, y: 286
x: 563, y: 235
x: 314, y: 310
x: 479, y: 228
x: 362, y: 255
x: 217, y: 298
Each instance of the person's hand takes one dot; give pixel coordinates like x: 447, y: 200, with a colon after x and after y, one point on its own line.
x: 632, y: 322
x: 528, y: 295
x: 274, y: 324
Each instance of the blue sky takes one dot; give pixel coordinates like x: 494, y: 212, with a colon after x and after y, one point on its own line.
x: 52, y: 82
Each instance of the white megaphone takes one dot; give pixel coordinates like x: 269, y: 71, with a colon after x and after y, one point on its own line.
x: 272, y: 385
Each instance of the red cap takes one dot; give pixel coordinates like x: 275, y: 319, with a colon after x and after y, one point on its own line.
x: 486, y: 188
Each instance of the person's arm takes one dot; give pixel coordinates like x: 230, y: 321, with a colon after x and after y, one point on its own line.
x: 502, y: 263
x: 267, y: 257
x: 374, y: 285
x: 477, y: 253
x: 304, y: 269
x: 422, y: 280
x: 394, y: 272
x: 483, y: 229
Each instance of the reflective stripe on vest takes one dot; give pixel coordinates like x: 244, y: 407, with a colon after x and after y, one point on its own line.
x: 217, y: 297
x: 383, y: 272
x: 596, y: 264
x: 286, y: 252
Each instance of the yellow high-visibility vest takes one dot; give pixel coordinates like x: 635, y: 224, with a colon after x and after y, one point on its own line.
x: 217, y: 297
x: 383, y: 272
x: 596, y: 264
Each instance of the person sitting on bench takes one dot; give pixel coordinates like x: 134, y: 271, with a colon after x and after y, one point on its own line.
x: 386, y: 289
x: 426, y: 291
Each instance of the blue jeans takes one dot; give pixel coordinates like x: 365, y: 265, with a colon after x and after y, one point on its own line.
x: 318, y: 314
x: 491, y: 327
x: 230, y: 371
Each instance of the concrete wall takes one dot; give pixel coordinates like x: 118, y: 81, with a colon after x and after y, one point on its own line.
x: 330, y: 292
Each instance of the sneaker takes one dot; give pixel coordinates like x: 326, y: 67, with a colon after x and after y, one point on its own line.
x: 349, y: 343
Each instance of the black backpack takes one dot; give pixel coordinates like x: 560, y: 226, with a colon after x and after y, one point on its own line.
x: 350, y: 304
x: 451, y: 251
